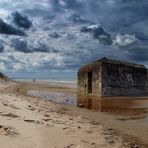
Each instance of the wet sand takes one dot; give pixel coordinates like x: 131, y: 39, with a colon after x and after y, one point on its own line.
x: 27, y: 121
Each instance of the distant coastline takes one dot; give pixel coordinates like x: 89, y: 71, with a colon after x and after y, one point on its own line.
x: 71, y: 81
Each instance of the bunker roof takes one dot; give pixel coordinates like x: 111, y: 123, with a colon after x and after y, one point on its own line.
x: 106, y: 60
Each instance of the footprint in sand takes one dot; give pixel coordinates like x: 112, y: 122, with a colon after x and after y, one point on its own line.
x: 31, y: 108
x: 47, y: 119
x: 46, y: 115
x: 72, y: 146
x: 8, y: 131
x: 33, y: 121
x: 6, y: 103
x: 8, y: 114
x: 13, y: 106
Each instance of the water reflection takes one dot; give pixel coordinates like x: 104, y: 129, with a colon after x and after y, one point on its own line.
x: 116, y: 105
x: 63, y: 98
x: 126, y: 105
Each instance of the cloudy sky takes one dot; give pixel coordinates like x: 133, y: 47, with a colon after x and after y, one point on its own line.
x: 53, y: 38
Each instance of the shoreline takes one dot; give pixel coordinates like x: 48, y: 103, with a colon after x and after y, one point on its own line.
x: 107, y: 122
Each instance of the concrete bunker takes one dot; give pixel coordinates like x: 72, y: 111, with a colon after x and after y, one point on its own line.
x: 106, y: 80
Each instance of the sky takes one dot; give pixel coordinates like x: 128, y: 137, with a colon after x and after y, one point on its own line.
x: 54, y: 38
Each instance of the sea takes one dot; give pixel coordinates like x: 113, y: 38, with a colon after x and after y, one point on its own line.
x: 71, y: 81
x: 59, y: 82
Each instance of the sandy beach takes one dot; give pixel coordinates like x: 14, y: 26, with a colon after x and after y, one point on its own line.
x: 37, y: 122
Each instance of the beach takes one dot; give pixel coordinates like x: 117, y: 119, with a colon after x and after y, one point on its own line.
x: 33, y: 121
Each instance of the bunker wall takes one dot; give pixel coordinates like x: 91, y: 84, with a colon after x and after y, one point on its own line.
x: 123, y: 80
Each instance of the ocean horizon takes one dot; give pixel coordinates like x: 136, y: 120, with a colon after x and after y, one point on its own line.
x: 74, y: 81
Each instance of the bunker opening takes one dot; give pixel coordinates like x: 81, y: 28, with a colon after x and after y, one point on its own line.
x: 89, y: 83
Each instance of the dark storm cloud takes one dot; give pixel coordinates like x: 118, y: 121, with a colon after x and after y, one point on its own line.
x: 54, y: 35
x: 36, y: 12
x: 98, y: 33
x: 56, y: 31
x: 22, y: 45
x: 73, y: 4
x: 44, y: 48
x: 139, y: 54
x: 117, y: 15
x: 1, y: 47
x: 78, y: 19
x: 55, y: 5
x: 9, y: 29
x: 21, y: 21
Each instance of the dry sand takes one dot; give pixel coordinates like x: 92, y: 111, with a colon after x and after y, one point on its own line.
x: 29, y: 122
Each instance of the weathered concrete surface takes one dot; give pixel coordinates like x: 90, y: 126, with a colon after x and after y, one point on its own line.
x: 96, y: 78
x: 105, y: 79
x: 120, y: 79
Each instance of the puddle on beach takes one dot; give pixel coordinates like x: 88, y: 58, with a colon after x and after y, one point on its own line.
x: 126, y: 106
x: 63, y: 98
x: 118, y: 106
